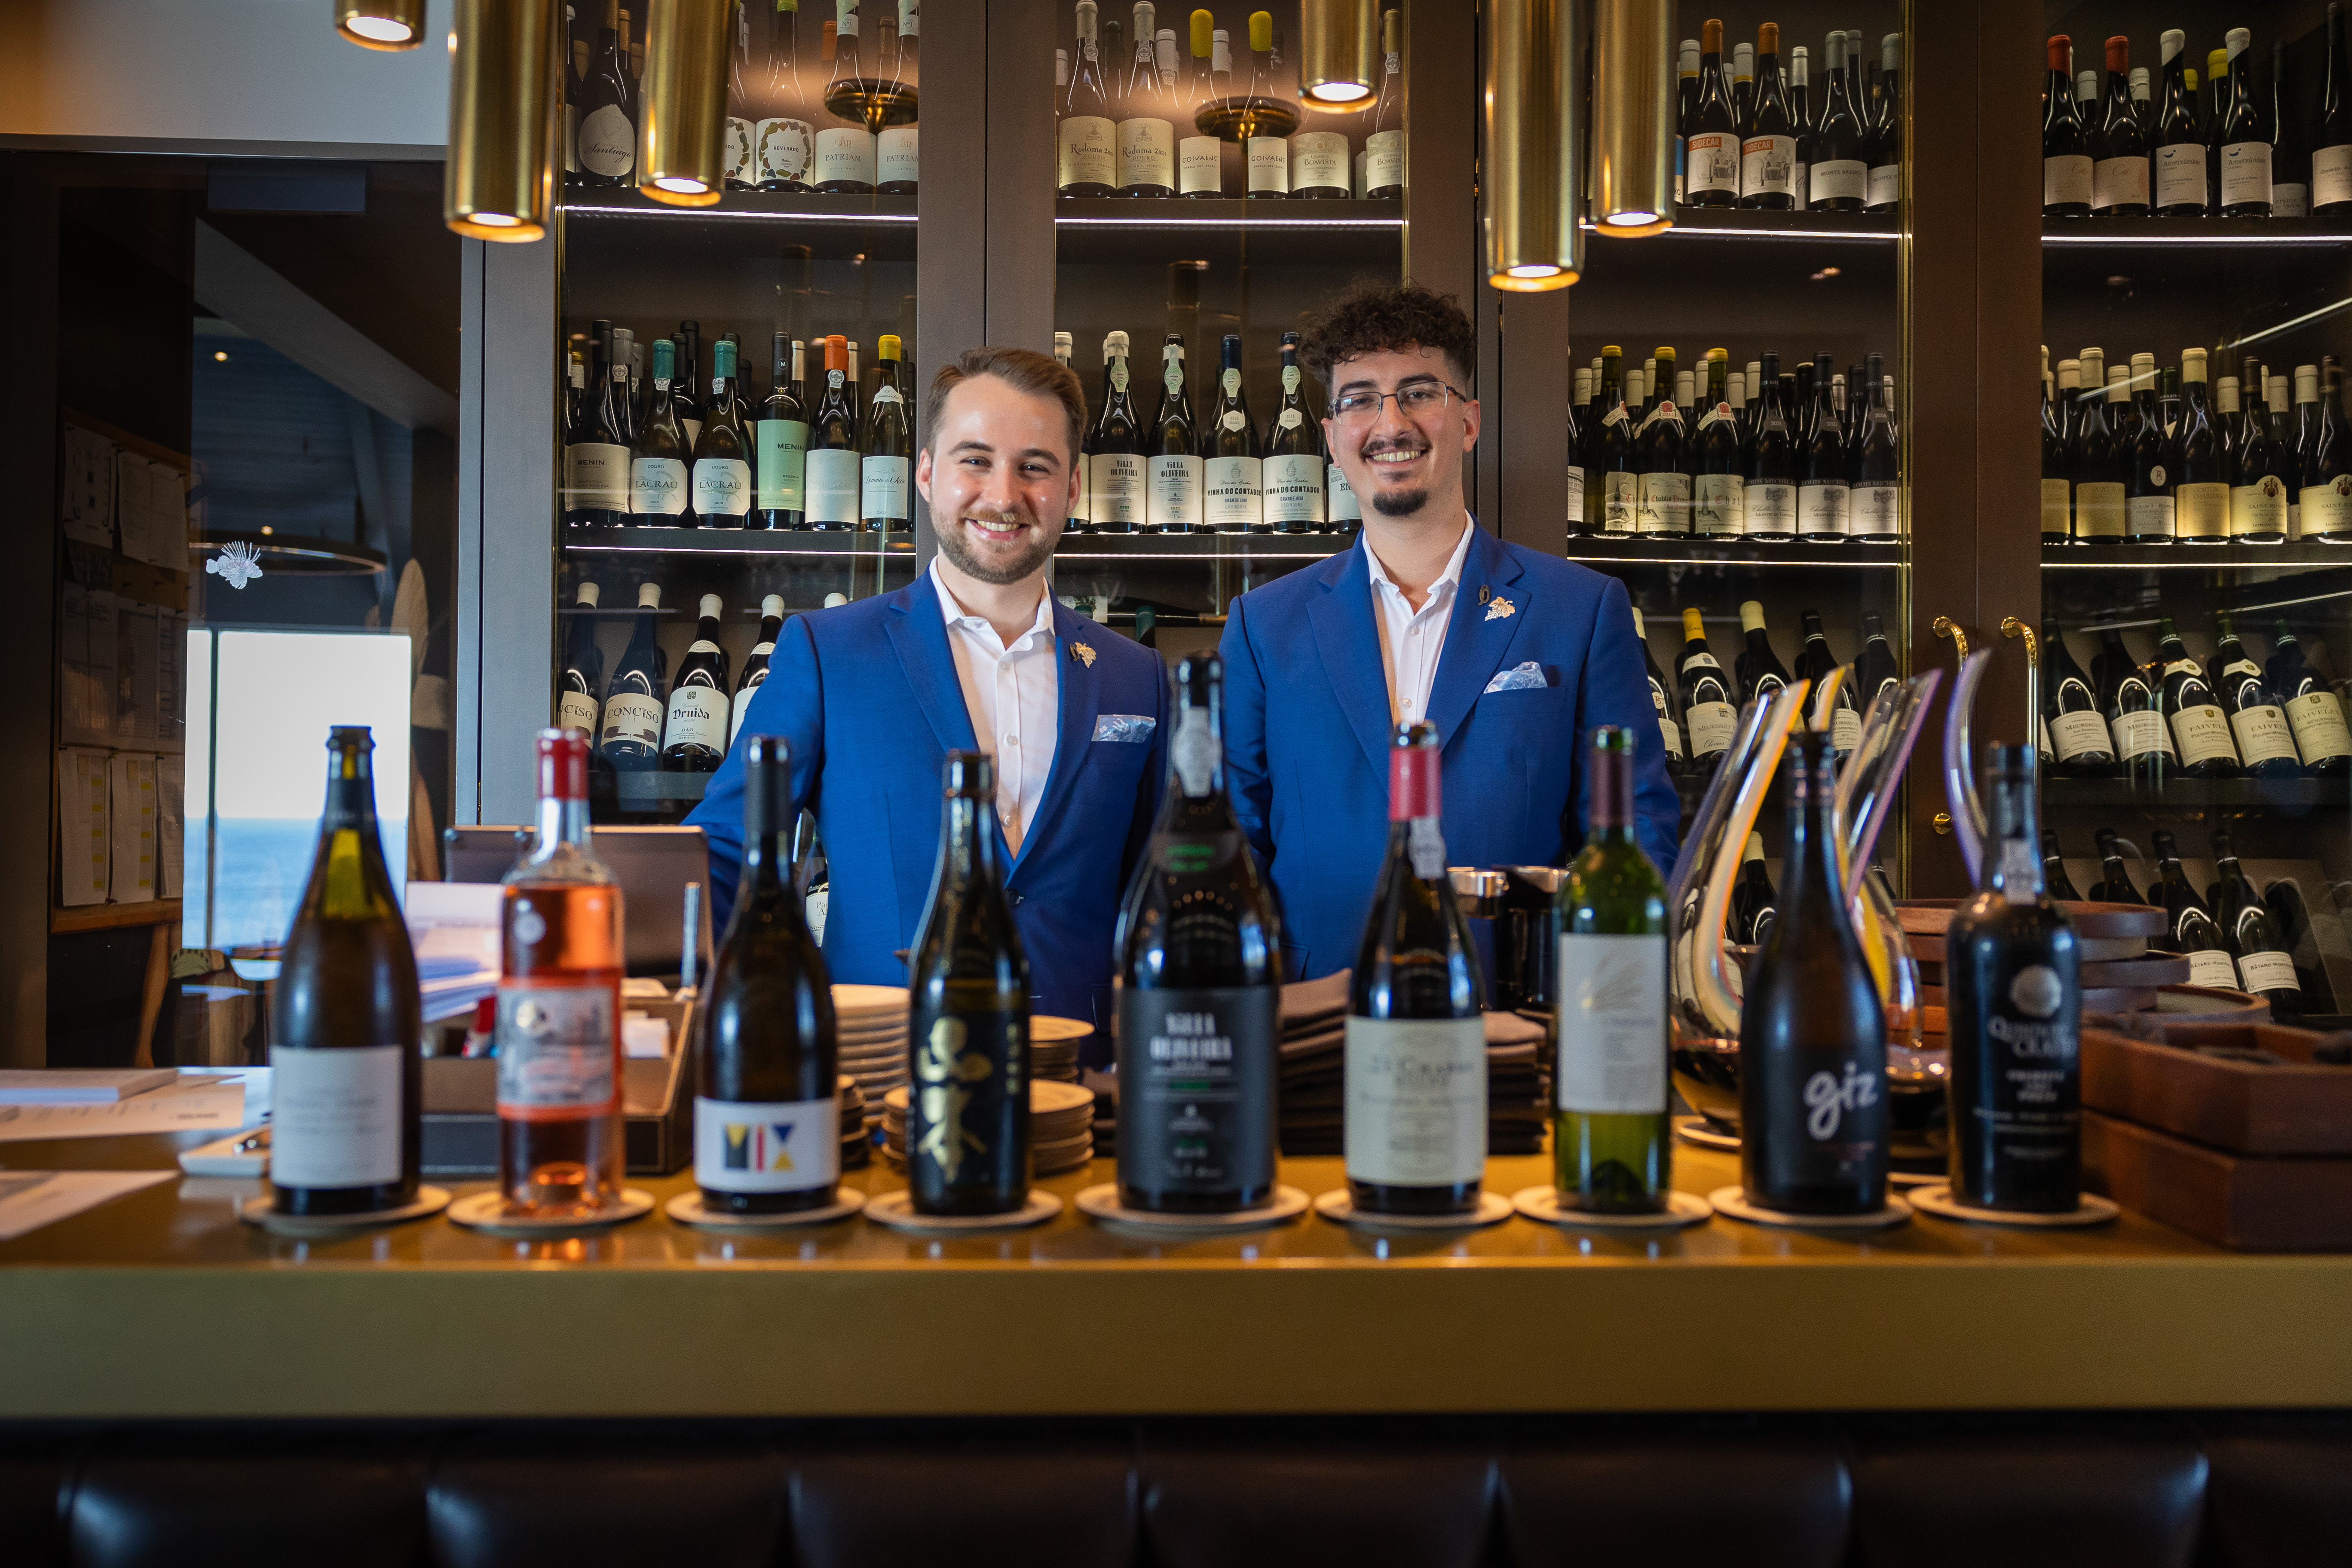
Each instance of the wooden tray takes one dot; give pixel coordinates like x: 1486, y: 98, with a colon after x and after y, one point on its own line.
x: 2095, y: 948
x: 2150, y: 970
x: 1929, y: 916
x: 2244, y: 1202
x: 2203, y: 1004
x: 2305, y: 1109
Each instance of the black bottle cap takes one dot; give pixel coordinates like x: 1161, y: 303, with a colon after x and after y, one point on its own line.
x: 971, y: 774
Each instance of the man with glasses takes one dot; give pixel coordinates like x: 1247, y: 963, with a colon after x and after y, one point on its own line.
x: 1515, y: 655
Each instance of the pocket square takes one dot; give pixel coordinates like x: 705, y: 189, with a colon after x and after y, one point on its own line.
x: 1134, y: 727
x: 1519, y: 678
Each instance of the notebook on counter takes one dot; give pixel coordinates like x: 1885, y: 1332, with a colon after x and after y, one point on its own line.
x: 78, y: 1086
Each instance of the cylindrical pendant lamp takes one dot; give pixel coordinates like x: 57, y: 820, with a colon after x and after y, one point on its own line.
x: 381, y: 24
x: 499, y: 182
x: 682, y: 121
x: 1532, y: 160
x: 1338, y: 50
x: 1632, y: 116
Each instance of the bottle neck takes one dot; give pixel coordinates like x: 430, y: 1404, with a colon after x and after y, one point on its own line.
x: 1812, y: 872
x: 1416, y: 840
x: 561, y: 822
x: 766, y: 805
x: 970, y: 847
x: 1609, y: 814
x: 2014, y: 870
x: 350, y: 796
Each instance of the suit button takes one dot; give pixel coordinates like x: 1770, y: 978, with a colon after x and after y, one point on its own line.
x: 1016, y: 900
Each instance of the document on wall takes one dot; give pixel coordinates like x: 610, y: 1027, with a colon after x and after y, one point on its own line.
x: 135, y: 828
x: 171, y: 824
x: 86, y: 650
x: 194, y: 1104
x: 138, y: 674
x: 31, y: 1199
x: 152, y: 509
x: 84, y: 838
x: 86, y: 505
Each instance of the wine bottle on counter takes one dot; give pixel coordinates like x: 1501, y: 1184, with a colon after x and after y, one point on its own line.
x: 578, y: 691
x: 2259, y: 724
x: 1171, y: 449
x: 1200, y: 995
x: 694, y: 734
x: 1232, y: 461
x: 1662, y: 699
x: 1416, y: 1041
x: 886, y: 469
x: 659, y: 486
x: 344, y: 1026
x: 755, y: 668
x: 2013, y: 967
x: 2079, y: 739
x: 1813, y: 1032
x: 968, y: 1029
x: 2265, y: 962
x: 833, y: 466
x: 2313, y: 711
x: 780, y: 439
x: 1710, y: 716
x: 1611, y: 1148
x: 766, y: 1102
x: 1292, y: 469
x: 561, y: 1143
x: 2200, y: 729
x: 634, y: 711
x: 2195, y: 934
x: 2115, y: 884
x: 2054, y: 879
x: 1761, y: 673
x: 1753, y: 901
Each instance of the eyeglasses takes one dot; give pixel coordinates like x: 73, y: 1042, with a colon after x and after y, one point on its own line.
x: 1413, y: 401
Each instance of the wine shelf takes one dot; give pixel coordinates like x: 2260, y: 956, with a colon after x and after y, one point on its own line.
x: 2289, y: 796
x: 1671, y: 552
x: 1202, y: 546
x: 746, y: 224
x: 1717, y: 225
x: 640, y: 790
x: 1112, y: 230
x: 2219, y: 235
x: 739, y: 541
x: 2300, y: 556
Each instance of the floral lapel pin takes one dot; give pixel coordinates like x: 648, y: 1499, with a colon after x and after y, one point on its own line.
x: 1083, y: 653
x: 1499, y: 607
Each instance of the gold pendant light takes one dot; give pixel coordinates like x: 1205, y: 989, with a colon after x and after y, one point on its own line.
x: 1532, y: 159
x: 499, y: 182
x: 1338, y: 49
x: 381, y: 24
x: 682, y: 116
x: 1633, y: 103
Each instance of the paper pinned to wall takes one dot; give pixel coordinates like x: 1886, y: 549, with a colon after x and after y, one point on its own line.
x: 138, y: 675
x: 135, y: 829
x: 152, y: 509
x: 86, y: 651
x: 84, y: 840
x: 172, y: 828
x: 86, y: 503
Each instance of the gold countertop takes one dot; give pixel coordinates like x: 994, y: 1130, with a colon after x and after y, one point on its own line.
x: 162, y: 1304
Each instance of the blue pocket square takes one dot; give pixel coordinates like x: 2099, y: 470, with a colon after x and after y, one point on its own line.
x: 1519, y: 678
x: 1134, y: 727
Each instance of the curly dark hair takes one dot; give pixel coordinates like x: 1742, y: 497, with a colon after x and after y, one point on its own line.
x: 1378, y: 318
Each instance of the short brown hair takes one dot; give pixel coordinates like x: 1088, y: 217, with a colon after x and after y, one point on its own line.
x: 1382, y: 318
x: 1022, y: 370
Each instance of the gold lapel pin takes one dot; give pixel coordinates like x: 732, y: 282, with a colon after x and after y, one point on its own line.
x: 1484, y: 593
x: 1082, y: 653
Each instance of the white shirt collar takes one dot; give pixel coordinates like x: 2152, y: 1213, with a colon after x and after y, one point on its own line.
x: 1447, y: 580
x: 952, y: 611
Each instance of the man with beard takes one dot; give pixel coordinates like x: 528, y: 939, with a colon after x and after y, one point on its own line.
x: 975, y: 654
x: 1515, y: 655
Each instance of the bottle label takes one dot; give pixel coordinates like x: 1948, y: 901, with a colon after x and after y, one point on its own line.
x: 1845, y: 729
x: 2099, y: 510
x: 2327, y: 509
x: 2065, y: 181
x: 1195, y: 753
x: 2147, y: 517
x: 1199, y: 167
x: 2076, y: 733
x: 633, y: 717
x: 773, y: 1146
x: 335, y: 1115
x: 1613, y: 1023
x: 1115, y: 488
x: 1146, y: 153
x: 698, y: 717
x: 1824, y: 509
x: 2203, y: 733
x: 1715, y: 504
x: 2320, y: 731
x: 899, y: 156
x: 2331, y: 175
x: 2181, y: 174
x: 1230, y: 497
x: 2119, y: 182
x: 1769, y: 507
x: 596, y: 477
x: 1230, y: 383
x: 1294, y: 486
x: 1670, y: 734
x: 782, y: 446
x: 1172, y: 493
x: 1198, y: 1072
x: 1269, y: 166
x: 1416, y: 1101
x: 844, y: 154
x: 1575, y: 497
x: 658, y: 485
x: 1384, y: 160
x: 1768, y: 165
x: 1620, y: 502
x: 1319, y: 161
x: 970, y: 1097
x: 2202, y: 512
x: 1292, y: 378
x: 1712, y: 163
x: 2245, y: 172
x: 608, y: 142
x: 1877, y: 510
x: 2290, y: 201
x: 576, y: 711
x: 1339, y: 503
x: 559, y: 1050
x: 2055, y: 497
x: 723, y: 487
x: 2263, y: 734
x: 1885, y: 185
x: 1665, y: 504
x: 2259, y: 508
x: 832, y: 475
x: 2261, y: 970
x: 1839, y: 179
x: 737, y: 154
x: 882, y: 488
x: 571, y: 139
x: 1801, y: 186
x: 741, y: 707
x: 1712, y: 725
x: 784, y: 150
x: 2210, y: 966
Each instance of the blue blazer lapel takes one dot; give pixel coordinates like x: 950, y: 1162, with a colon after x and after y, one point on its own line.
x: 919, y: 631
x: 1079, y: 691
x: 1476, y: 637
x: 1350, y: 646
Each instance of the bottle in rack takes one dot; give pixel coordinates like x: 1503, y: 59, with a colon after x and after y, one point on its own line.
x: 2265, y: 961
x: 1758, y: 669
x: 1768, y: 499
x: 2114, y: 885
x: 1662, y: 699
x: 2313, y: 709
x: 897, y: 146
x: 1115, y: 487
x: 2100, y: 462
x: 755, y: 668
x: 2201, y: 479
x: 685, y: 397
x: 1815, y: 663
x: 578, y: 691
x: 1838, y: 177
x: 1145, y: 151
x: 1292, y: 469
x: 1874, y: 668
x: 2054, y: 879
x: 1825, y: 483
x: 1767, y: 147
x: 2265, y: 740
x: 2079, y: 738
x: 844, y: 141
x: 1232, y: 465
x: 695, y: 732
x: 833, y: 464
x: 780, y: 439
x: 2065, y: 142
x: 2290, y: 153
x: 886, y: 469
x: 2057, y: 488
x: 2244, y: 134
x: 344, y: 1022
x: 1753, y: 901
x: 633, y: 710
x: 2149, y: 515
x: 737, y: 157
x: 2180, y: 190
x: 1266, y: 151
x: 2195, y: 934
x: 1717, y: 483
x: 2128, y: 702
x: 785, y: 144
x: 1612, y: 483
x: 1664, y: 494
x: 2264, y: 482
x: 2119, y: 170
x: 1887, y: 129
x: 607, y: 148
x: 1580, y: 394
x: 2326, y: 509
x: 1384, y: 148
x: 1171, y: 451
x: 2331, y: 142
x: 1200, y: 158
x: 596, y: 483
x: 722, y: 469
x: 658, y: 478
x: 1711, y: 152
x: 1415, y: 1068
x: 1710, y: 715
x: 2200, y: 729
x: 1743, y: 86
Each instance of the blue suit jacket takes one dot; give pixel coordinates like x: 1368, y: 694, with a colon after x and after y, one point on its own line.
x: 867, y: 695
x: 1307, y: 730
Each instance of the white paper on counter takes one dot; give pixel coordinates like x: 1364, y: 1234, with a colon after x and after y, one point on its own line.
x: 83, y: 835
x: 191, y: 1105
x: 133, y: 808
x: 31, y: 1199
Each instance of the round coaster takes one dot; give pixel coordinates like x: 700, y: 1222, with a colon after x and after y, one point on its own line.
x: 1701, y: 1133
x: 851, y: 998
x: 1338, y: 1207
x: 897, y: 1210
x: 1102, y: 1203
x: 2090, y: 1209
x: 1733, y: 1201
x: 687, y: 1209
x: 258, y: 1211
x: 1910, y: 1181
x: 1542, y: 1204
x: 486, y: 1212
x: 1044, y: 1027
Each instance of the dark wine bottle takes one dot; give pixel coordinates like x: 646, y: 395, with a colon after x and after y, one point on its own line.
x: 596, y: 444
x: 1172, y: 450
x: 1888, y: 120
x: 2054, y: 879
x: 2200, y: 729
x: 2258, y: 723
x: 2100, y: 464
x: 2312, y: 709
x: 1874, y: 668
x: 1199, y: 997
x: 767, y: 1097
x: 2244, y: 136
x: 2129, y: 702
x: 2012, y: 970
x: 1754, y: 903
x: 1416, y: 1045
x: 694, y: 737
x: 2079, y: 739
x: 968, y: 1036
x: 2202, y: 479
x: 780, y: 439
x: 2115, y: 884
x: 2325, y: 504
x: 2119, y: 143
x: 1611, y: 1149
x: 1711, y: 153
x: 659, y: 488
x: 2265, y: 962
x: 1611, y: 477
x: 1813, y: 1032
x: 345, y: 1134
x: 2148, y: 504
x: 1876, y: 456
x: 608, y: 146
x: 886, y: 469
x: 1839, y: 178
x: 634, y: 709
x: 1815, y: 663
x: 2180, y: 185
x: 1710, y: 715
x: 2195, y: 933
x: 1232, y: 463
x: 1292, y: 469
x: 684, y: 396
x: 1663, y: 497
x: 1825, y: 483
x: 2057, y: 456
x: 755, y: 668
x: 580, y: 689
x: 2065, y: 142
x: 1662, y: 699
x: 722, y: 454
x: 1719, y: 469
x: 1771, y: 494
x: 1761, y: 673
x: 1768, y: 146
x: 2290, y: 152
x: 2331, y: 144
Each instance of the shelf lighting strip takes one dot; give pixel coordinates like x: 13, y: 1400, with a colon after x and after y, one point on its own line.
x: 1308, y: 225
x: 744, y: 215
x: 2200, y: 241
x: 2193, y: 563
x: 1734, y: 560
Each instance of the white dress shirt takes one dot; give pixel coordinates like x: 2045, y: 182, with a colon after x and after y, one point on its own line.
x: 1411, y: 639
x: 1014, y: 696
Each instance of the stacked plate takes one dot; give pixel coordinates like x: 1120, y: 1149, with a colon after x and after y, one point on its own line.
x: 870, y: 1024
x: 1061, y: 1126
x: 1053, y: 1046
x: 856, y: 1144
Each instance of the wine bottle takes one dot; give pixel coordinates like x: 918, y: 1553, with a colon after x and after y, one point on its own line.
x: 1662, y: 507
x: 2115, y: 884
x: 1265, y: 154
x: 2331, y: 156
x: 767, y: 1105
x: 722, y: 467
x: 2265, y: 740
x: 1231, y: 462
x: 1200, y: 159
x: 1144, y: 155
x: 2180, y: 189
x: 1876, y: 504
x: 596, y: 481
x: 1087, y: 156
x: 1875, y: 667
x: 2245, y: 136
x: 2079, y: 737
x: 1709, y: 717
x: 2327, y: 468
x: 626, y: 384
x: 1712, y: 456
x: 2119, y: 143
x: 1662, y: 699
x: 833, y: 464
x: 1886, y: 131
x: 1768, y: 145
x: 2054, y: 879
x: 1813, y: 1033
x: 1762, y: 675
x: 1816, y: 663
x: 1825, y: 485
x: 2214, y: 100
x: 780, y: 439
x: 845, y: 163
x: 1114, y: 448
x: 684, y: 400
x: 2290, y: 153
x: 2100, y: 465
x: 694, y: 738
x: 898, y: 147
x: 2066, y: 144
x: 2195, y: 934
x: 608, y: 145
x: 1711, y: 153
x: 579, y: 688
x: 2313, y: 709
x: 967, y: 1113
x: 2057, y: 488
x: 2150, y: 516
x: 1200, y: 995
x: 1171, y: 447
x: 1769, y: 497
x: 1754, y: 903
x: 634, y: 711
x: 1416, y: 1041
x: 2264, y: 482
x: 2265, y: 962
x: 2202, y: 484
x: 755, y: 668
x: 1292, y: 469
x: 1839, y: 174
x: 1613, y: 484
x: 784, y: 140
x: 2200, y: 729
x: 344, y: 1023
x: 1574, y: 418
x: 1800, y: 90
x: 2013, y: 967
x: 658, y: 482
x: 1611, y: 1149
x: 1384, y: 147
x: 887, y: 467
x: 1743, y: 86
x: 2129, y: 702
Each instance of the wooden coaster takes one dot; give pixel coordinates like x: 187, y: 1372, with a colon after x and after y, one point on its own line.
x: 1101, y: 1203
x: 1338, y: 1207
x: 687, y: 1208
x: 486, y: 1212
x: 2090, y: 1209
x: 310, y: 1227
x: 1733, y: 1202
x: 897, y: 1210
x: 1542, y: 1204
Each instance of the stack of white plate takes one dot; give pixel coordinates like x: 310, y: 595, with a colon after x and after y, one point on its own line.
x: 1053, y: 1046
x: 1061, y: 1126
x: 870, y: 1022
